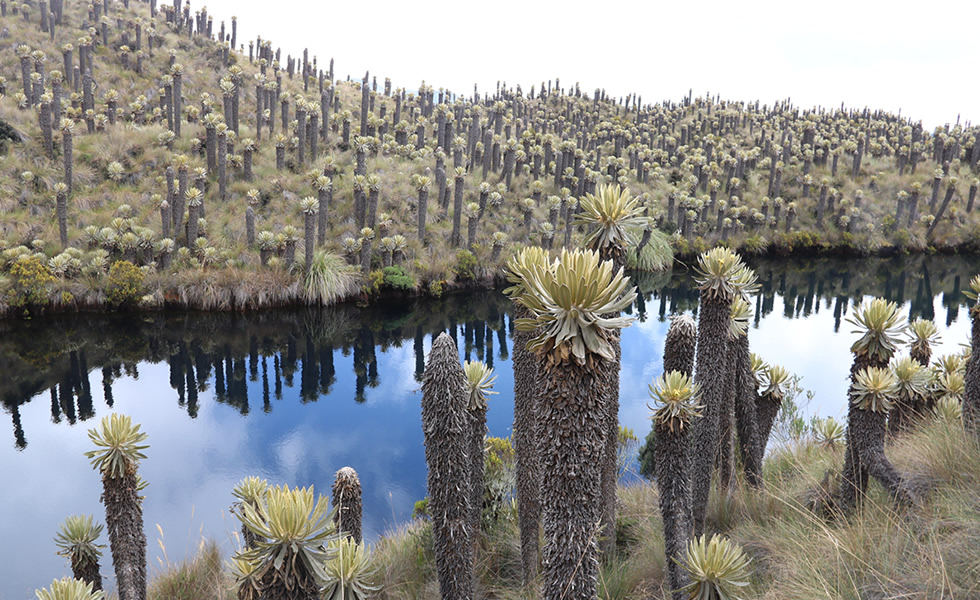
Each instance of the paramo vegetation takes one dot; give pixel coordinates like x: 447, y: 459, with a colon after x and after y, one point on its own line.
x: 232, y: 173
x: 152, y: 161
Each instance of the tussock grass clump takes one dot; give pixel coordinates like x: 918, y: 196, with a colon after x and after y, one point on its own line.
x: 202, y: 576
x: 655, y: 255
x: 408, y: 562
x: 329, y: 279
x: 225, y: 289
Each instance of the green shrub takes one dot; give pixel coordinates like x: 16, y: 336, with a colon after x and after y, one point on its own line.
x: 684, y: 247
x: 421, y: 509
x: 465, y: 267
x: 376, y: 280
x: 388, y: 278
x: 436, y: 288
x: 396, y: 278
x: 681, y: 246
x: 124, y: 286
x: 806, y: 239
x: 755, y: 245
x: 29, y: 286
x: 782, y: 243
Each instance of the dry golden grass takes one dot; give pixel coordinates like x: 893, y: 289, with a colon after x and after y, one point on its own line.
x: 202, y: 576
x: 879, y: 552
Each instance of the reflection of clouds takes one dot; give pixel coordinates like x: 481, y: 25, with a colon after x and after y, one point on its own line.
x: 312, y: 454
x: 191, y: 468
x: 643, y: 351
x: 45, y: 483
x: 396, y: 381
x: 183, y: 467
x: 808, y: 347
x: 288, y: 452
x: 380, y: 439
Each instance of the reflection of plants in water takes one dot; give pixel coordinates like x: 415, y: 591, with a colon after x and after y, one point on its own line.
x: 53, y: 358
x: 806, y: 285
x: 328, y: 324
x: 210, y: 351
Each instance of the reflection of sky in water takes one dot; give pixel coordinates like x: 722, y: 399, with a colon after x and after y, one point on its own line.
x: 193, y: 464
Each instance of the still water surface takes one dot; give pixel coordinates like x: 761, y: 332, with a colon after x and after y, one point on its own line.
x: 292, y: 396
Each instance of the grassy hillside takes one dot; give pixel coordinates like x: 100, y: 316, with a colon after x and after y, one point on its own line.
x: 758, y: 177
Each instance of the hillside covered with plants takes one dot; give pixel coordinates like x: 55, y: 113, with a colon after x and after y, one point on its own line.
x: 238, y: 176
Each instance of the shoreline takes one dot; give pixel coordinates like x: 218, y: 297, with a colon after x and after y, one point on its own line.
x: 229, y: 298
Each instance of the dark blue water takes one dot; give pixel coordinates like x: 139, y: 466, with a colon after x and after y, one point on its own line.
x: 292, y: 396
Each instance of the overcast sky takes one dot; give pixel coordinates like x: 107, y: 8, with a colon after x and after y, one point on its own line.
x: 921, y: 57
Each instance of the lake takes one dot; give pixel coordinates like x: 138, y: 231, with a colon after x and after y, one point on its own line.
x: 292, y: 396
